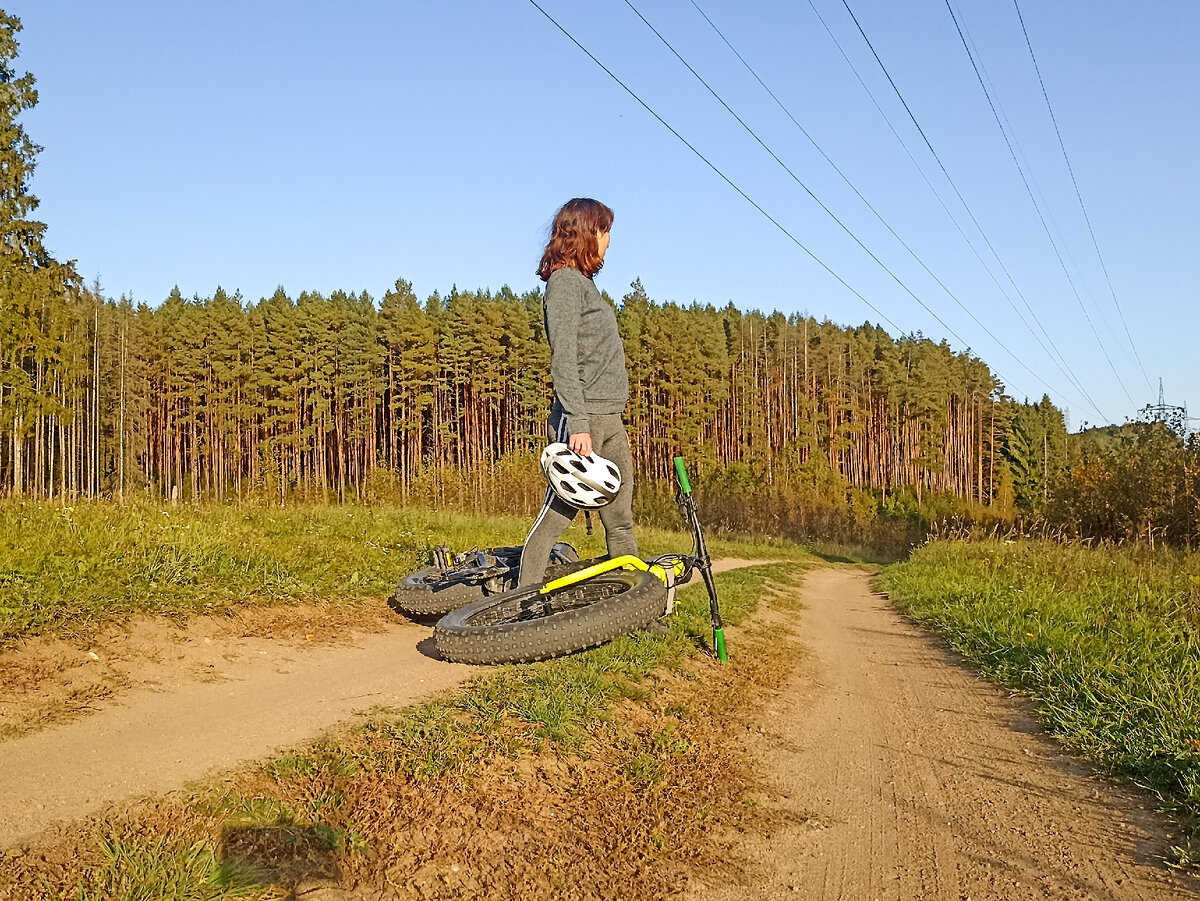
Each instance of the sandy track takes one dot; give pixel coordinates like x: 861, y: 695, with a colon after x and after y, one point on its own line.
x: 155, y: 741
x: 256, y: 697
x: 902, y: 775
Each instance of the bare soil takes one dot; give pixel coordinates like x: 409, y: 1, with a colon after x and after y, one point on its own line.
x: 145, y: 707
x: 199, y: 703
x: 53, y: 680
x: 898, y: 773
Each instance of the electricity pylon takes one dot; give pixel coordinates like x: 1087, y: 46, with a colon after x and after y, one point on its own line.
x: 1173, y: 417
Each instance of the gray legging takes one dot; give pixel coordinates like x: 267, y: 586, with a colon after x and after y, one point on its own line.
x: 608, y: 440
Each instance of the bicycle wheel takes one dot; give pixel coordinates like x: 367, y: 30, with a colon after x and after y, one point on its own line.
x: 523, y: 625
x: 433, y: 591
x: 424, y: 592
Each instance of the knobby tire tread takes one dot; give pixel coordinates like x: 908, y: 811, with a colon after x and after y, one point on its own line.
x: 465, y: 636
x: 415, y: 598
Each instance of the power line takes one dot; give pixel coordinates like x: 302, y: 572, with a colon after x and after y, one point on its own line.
x: 1051, y: 352
x: 1037, y: 207
x: 725, y: 178
x: 1057, y: 355
x: 1079, y: 195
x: 801, y: 183
x: 868, y: 204
x: 1019, y: 153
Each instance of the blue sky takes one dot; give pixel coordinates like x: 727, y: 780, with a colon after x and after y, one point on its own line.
x: 345, y: 145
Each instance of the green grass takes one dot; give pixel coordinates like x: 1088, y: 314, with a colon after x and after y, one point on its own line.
x: 64, y: 568
x: 72, y: 568
x: 1106, y: 642
x: 150, y: 870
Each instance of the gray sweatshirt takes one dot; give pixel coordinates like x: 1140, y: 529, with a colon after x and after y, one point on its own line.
x: 587, y: 358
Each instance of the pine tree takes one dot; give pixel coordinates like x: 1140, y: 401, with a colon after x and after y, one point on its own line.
x: 408, y: 339
x: 32, y: 292
x: 20, y: 237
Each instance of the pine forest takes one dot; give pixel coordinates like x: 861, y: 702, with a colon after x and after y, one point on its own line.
x: 796, y: 425
x: 318, y: 396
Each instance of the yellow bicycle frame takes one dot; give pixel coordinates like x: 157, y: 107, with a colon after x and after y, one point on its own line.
x: 626, y: 562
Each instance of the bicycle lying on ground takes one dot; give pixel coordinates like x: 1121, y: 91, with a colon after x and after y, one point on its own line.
x: 584, y: 603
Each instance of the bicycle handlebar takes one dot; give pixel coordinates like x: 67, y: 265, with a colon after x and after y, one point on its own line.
x: 681, y: 474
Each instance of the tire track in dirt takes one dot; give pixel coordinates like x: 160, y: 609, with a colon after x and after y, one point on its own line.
x: 262, y: 697
x: 900, y: 774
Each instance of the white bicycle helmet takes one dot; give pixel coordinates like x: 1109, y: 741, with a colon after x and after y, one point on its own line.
x: 586, y: 482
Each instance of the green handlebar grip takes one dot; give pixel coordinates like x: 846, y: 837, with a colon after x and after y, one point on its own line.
x: 681, y: 472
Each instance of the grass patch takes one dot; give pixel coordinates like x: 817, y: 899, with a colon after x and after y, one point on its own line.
x: 1106, y: 641
x: 70, y: 569
x: 160, y: 868
x: 598, y: 775
x: 517, y: 709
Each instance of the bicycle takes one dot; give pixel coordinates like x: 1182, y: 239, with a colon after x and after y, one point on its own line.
x: 584, y: 608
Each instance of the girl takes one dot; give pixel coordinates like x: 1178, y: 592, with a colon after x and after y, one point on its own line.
x: 591, y: 386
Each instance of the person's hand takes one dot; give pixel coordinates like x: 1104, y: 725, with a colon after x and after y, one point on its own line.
x: 581, y: 443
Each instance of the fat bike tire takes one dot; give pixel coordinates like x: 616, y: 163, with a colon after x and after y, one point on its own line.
x: 427, y: 592
x: 421, y: 593
x: 522, y: 625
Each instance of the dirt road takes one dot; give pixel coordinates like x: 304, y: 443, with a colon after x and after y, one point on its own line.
x: 901, y: 775
x: 205, y: 704
x: 156, y: 739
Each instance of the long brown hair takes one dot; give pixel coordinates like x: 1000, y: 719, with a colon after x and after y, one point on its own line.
x: 573, y: 237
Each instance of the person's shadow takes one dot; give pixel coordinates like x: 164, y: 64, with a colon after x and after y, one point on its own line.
x: 282, y: 855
